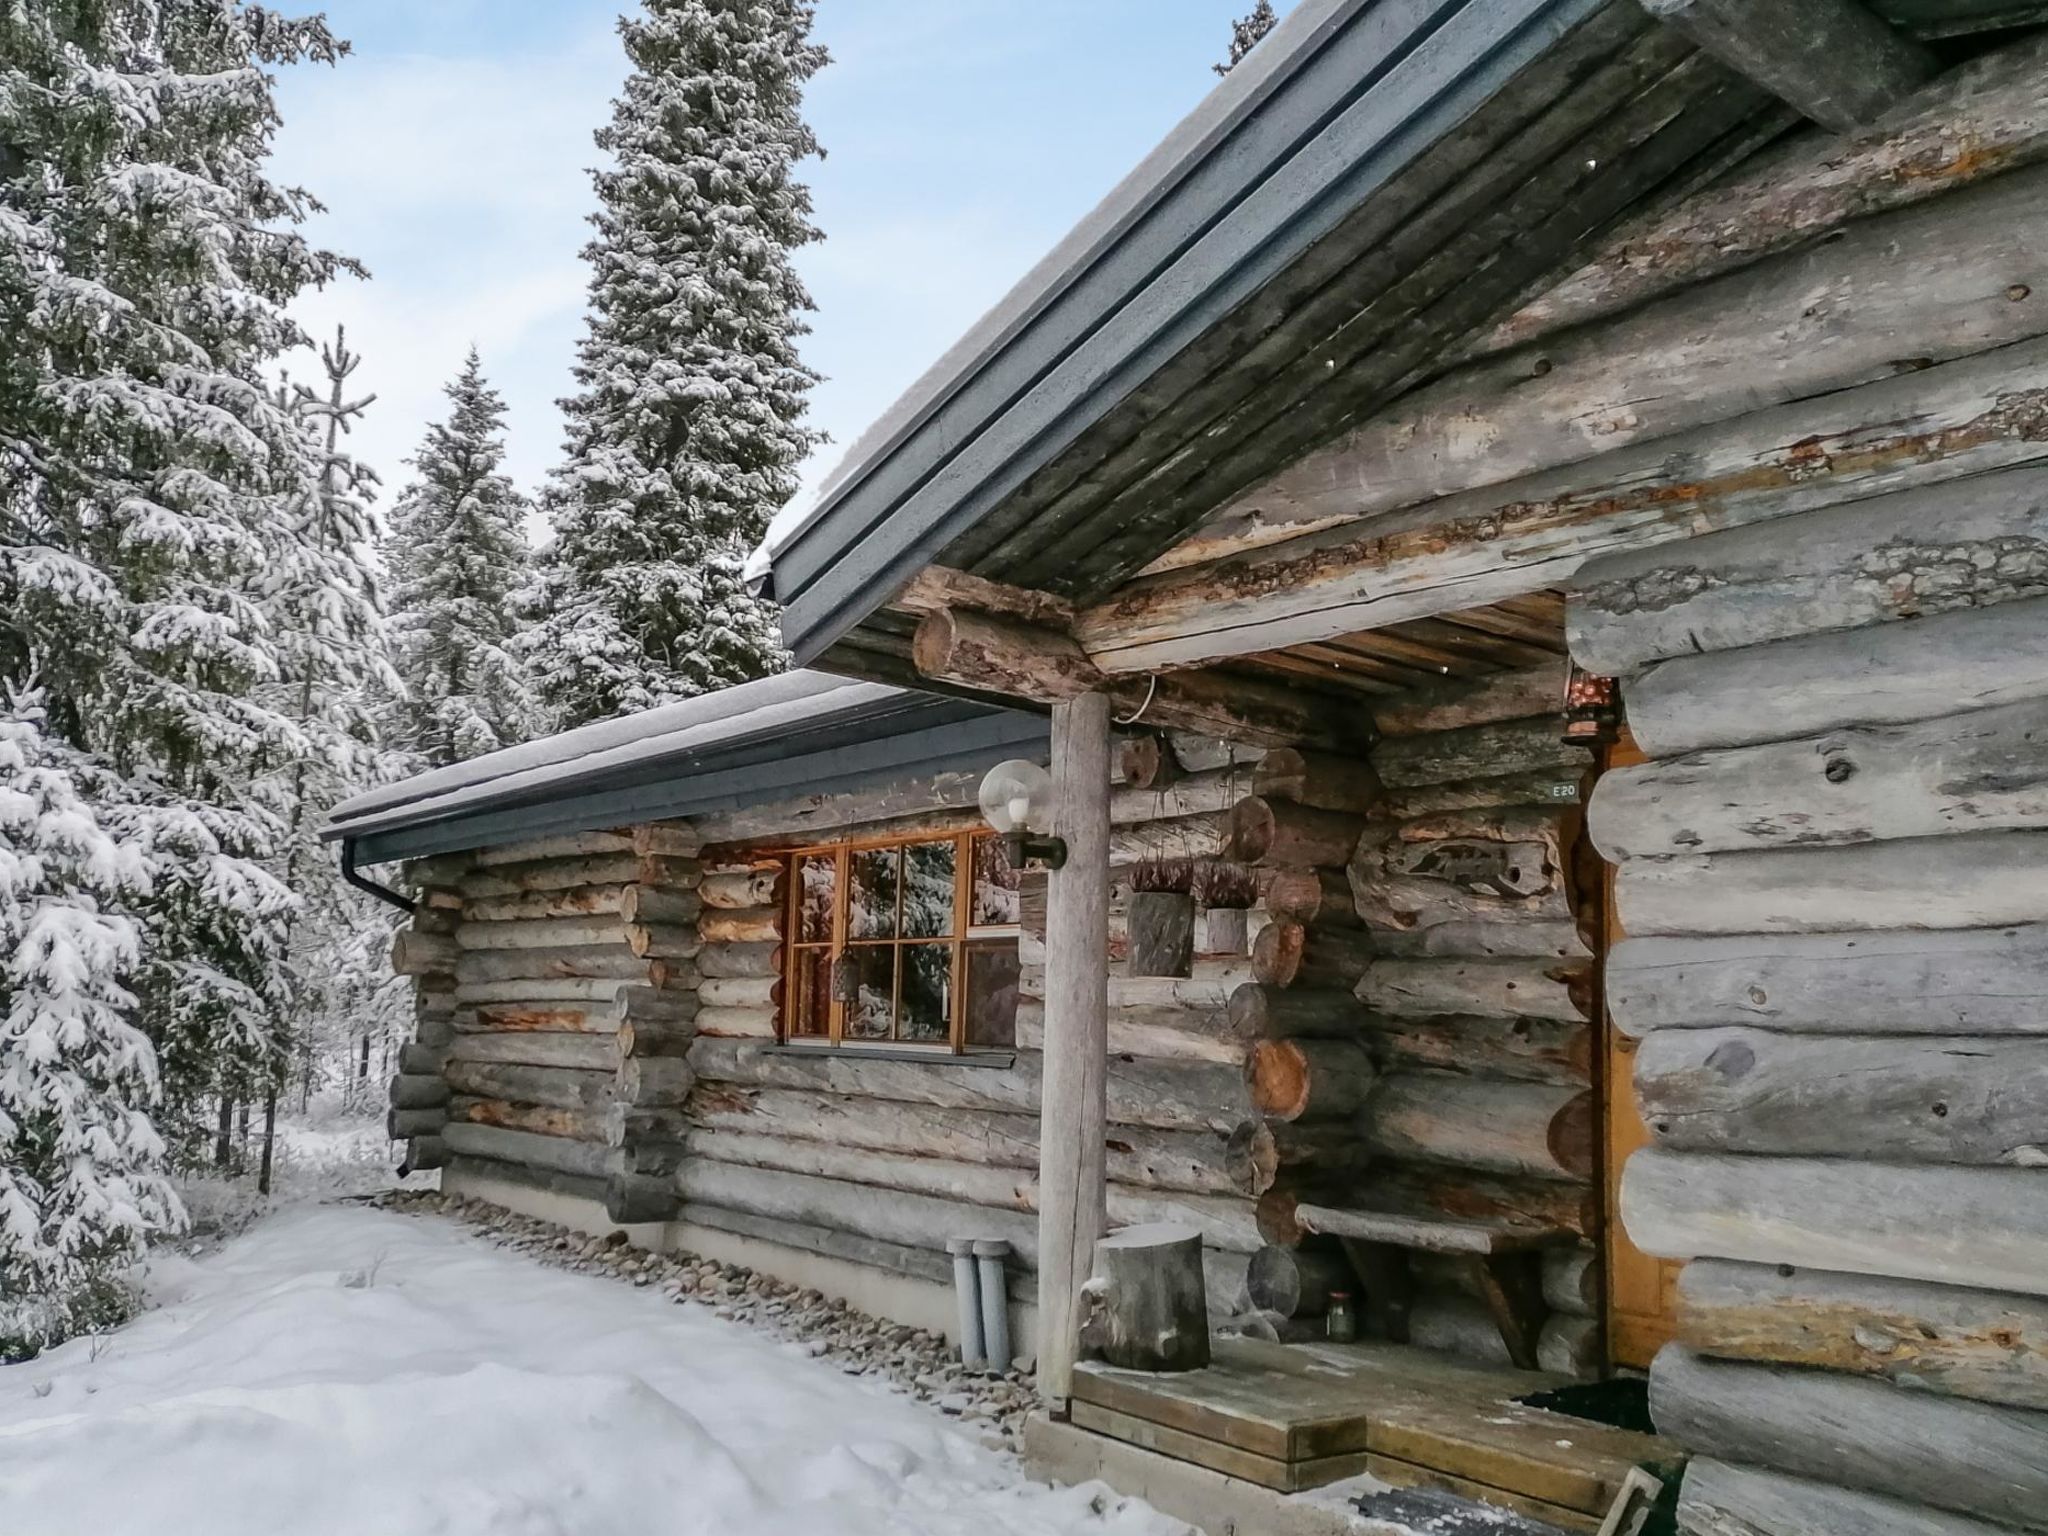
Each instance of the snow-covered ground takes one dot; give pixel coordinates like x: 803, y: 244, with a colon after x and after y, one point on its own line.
x: 346, y: 1370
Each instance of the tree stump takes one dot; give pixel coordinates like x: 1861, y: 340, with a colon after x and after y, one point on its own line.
x: 1147, y: 1308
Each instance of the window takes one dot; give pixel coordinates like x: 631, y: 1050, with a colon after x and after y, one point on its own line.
x: 912, y: 943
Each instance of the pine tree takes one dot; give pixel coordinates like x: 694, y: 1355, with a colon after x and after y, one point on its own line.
x: 1246, y: 33
x: 460, y: 555
x: 687, y: 432
x: 146, y: 262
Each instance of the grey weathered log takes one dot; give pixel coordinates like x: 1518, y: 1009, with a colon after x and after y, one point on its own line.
x: 595, y: 962
x: 1571, y: 1281
x: 1988, y: 1346
x: 1536, y: 988
x: 1985, y: 981
x: 1525, y: 1050
x: 1323, y: 780
x: 579, y: 874
x: 1522, y: 745
x: 581, y: 901
x: 658, y: 1037
x: 1964, y: 544
x: 1260, y: 1012
x: 1162, y: 933
x: 423, y: 1154
x: 1282, y: 834
x: 1547, y: 787
x: 1148, y: 1303
x: 573, y: 1051
x: 542, y: 933
x: 1482, y: 938
x: 592, y: 1018
x: 1978, y: 772
x: 1291, y: 954
x: 534, y: 1119
x: 421, y: 1060
x: 739, y: 991
x: 1830, y: 60
x: 634, y: 1198
x: 1717, y: 1499
x: 523, y: 1083
x: 1573, y: 1346
x: 650, y: 905
x: 418, y: 1092
x: 654, y: 1005
x: 1981, y: 1227
x: 894, y: 1216
x: 567, y: 845
x: 1297, y: 1282
x: 582, y: 1158
x: 1889, y: 1098
x: 1886, y: 674
x: 1203, y: 836
x: 927, y: 802
x: 1978, y: 880
x: 1195, y: 794
x: 666, y: 941
x: 541, y: 989
x: 1972, y: 1458
x: 652, y: 1082
x: 1261, y: 1153
x: 741, y: 888
x: 416, y: 953
x: 1455, y: 704
x: 402, y: 1123
x: 1309, y: 1079
x: 720, y: 960
x: 749, y: 1022
x: 1195, y: 1027
x: 628, y: 1126
x: 1540, y: 1129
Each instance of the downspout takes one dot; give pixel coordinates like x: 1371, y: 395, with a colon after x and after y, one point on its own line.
x: 362, y: 882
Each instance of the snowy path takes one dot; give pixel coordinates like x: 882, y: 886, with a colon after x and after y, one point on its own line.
x: 354, y: 1371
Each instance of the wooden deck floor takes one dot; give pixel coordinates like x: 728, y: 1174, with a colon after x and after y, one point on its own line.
x: 1294, y: 1416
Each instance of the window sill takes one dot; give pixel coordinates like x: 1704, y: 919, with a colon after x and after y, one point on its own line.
x: 974, y: 1056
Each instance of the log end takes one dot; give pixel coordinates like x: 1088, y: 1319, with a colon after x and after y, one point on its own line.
x: 1249, y: 835
x: 1277, y: 1074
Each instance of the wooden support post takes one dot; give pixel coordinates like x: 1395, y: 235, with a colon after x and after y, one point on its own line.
x: 1831, y: 60
x: 1074, y: 1092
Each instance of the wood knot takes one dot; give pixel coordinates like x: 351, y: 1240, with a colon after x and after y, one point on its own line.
x: 1839, y: 770
x: 2018, y: 291
x: 1940, y: 1110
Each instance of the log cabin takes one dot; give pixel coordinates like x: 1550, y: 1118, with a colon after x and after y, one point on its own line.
x: 1595, y: 451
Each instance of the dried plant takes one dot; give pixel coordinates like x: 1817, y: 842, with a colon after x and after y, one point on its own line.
x: 1175, y: 876
x: 1228, y: 886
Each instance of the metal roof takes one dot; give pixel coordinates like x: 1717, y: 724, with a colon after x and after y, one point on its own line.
x: 798, y: 733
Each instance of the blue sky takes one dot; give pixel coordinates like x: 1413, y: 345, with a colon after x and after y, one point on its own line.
x: 962, y: 137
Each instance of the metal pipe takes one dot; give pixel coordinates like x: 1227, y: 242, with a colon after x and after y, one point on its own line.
x: 989, y: 1254
x: 364, y: 883
x: 967, y: 1295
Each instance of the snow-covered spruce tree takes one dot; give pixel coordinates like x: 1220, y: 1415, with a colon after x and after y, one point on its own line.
x: 687, y: 431
x: 80, y: 1186
x: 459, y: 555
x: 145, y: 264
x: 1246, y: 33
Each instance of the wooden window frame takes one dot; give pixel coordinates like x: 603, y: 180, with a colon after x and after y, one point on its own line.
x: 960, y: 941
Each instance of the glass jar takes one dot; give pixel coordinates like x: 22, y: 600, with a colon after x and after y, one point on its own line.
x: 1339, y: 1321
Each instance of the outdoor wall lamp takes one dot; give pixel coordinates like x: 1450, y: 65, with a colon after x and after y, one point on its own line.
x: 1016, y: 800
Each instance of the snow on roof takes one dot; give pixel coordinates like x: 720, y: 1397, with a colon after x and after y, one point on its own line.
x: 681, y: 730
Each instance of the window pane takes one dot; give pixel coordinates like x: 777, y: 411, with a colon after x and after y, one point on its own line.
x: 927, y: 992
x: 992, y: 993
x: 871, y: 903
x: 810, y: 1010
x: 994, y: 903
x: 819, y: 873
x: 928, y: 890
x: 868, y: 1015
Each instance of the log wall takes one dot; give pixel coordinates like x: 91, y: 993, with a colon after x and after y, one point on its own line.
x: 1832, y: 881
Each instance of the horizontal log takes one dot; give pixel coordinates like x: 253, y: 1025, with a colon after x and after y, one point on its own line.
x: 740, y: 925
x: 1537, y: 1129
x: 570, y: 1051
x: 433, y: 1031
x: 570, y: 874
x: 568, y: 845
x: 1454, y: 1323
x: 1979, y: 772
x: 1718, y: 1499
x: 1523, y: 1050
x: 1282, y: 834
x: 654, y: 1082
x: 1481, y: 938
x: 929, y: 1264
x: 662, y: 941
x: 1979, y: 880
x: 1428, y: 1191
x: 422, y: 1155
x: 1317, y: 898
x: 600, y: 1018
x: 1321, y: 780
x: 1985, y: 1228
x: 644, y: 1132
x: 583, y: 901
x: 890, y: 1215
x: 1262, y: 1154
x: 654, y: 905
x: 1526, y: 745
x: 1291, y: 954
x: 441, y: 872
x: 740, y: 991
x: 399, y: 1124
x: 541, y: 989
x: 1205, y: 836
x: 924, y: 804
x: 1556, y: 990
x: 1973, y: 1458
x: 1890, y: 674
x: 420, y: 1092
x: 414, y: 953
x: 1308, y: 1079
x: 1261, y: 1012
x: 534, y: 1119
x: 418, y: 1060
x: 1146, y: 761
x: 593, y: 962
x: 1495, y: 542
x: 1166, y: 1033
x: 1197, y: 794
x: 1988, y: 1346
x: 658, y: 1036
x: 1538, y: 786
x: 740, y: 1023
x: 741, y: 889
x: 1171, y: 1096
x: 632, y: 1199
x: 715, y: 960
x: 582, y: 1159
x: 525, y: 1083
x: 1457, y: 703
x: 1145, y: 1159
x: 1986, y: 981
x: 1297, y: 1282
x: 1909, y: 555
x: 547, y: 1181
x: 1889, y: 1098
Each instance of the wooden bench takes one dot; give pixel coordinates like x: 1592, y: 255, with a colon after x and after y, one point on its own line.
x: 1506, y: 1265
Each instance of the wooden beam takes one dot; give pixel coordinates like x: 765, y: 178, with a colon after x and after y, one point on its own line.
x: 1074, y: 1096
x: 938, y: 587
x: 1831, y: 60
